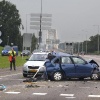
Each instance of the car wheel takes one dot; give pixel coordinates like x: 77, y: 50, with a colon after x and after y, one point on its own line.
x: 57, y: 76
x: 94, y: 76
x: 25, y: 75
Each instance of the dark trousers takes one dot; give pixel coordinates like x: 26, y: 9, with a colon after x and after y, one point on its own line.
x: 12, y: 63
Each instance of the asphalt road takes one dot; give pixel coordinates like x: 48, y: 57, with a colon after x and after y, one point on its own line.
x: 74, y: 89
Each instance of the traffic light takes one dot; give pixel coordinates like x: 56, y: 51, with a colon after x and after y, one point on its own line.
x: 69, y: 44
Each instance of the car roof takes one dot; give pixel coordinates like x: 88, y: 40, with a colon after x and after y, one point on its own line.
x: 40, y: 52
x: 61, y: 54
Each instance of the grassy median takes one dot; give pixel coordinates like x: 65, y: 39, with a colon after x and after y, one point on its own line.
x: 4, y: 61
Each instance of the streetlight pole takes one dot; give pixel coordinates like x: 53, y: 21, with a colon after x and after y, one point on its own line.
x: 8, y: 41
x: 78, y: 48
x: 98, y: 39
x: 86, y: 43
x: 82, y: 47
x: 26, y: 21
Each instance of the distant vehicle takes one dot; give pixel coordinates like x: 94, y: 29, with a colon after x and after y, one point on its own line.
x: 71, y: 67
x: 34, y: 63
x: 5, y: 51
x: 15, y: 49
x: 82, y: 53
x: 7, y: 48
x: 25, y: 53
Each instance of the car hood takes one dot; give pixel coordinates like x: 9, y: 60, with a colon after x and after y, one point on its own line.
x: 5, y: 50
x: 34, y: 63
x: 92, y: 61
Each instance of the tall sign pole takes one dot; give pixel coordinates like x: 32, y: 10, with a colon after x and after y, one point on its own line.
x: 40, y: 32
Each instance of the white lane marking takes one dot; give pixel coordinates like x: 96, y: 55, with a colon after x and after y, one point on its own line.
x: 0, y: 78
x: 16, y: 79
x: 71, y: 95
x: 60, y: 86
x: 12, y: 92
x: 10, y: 75
x: 93, y: 95
x: 39, y: 93
x: 3, y: 71
x: 84, y: 87
x: 92, y: 82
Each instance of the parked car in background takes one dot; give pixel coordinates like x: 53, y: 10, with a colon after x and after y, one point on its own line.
x: 25, y: 53
x: 5, y: 51
x: 71, y: 67
x: 7, y: 48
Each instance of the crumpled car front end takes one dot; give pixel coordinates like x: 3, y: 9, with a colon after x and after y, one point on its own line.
x: 96, y: 67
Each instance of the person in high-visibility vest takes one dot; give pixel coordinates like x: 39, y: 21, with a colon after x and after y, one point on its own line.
x: 12, y: 58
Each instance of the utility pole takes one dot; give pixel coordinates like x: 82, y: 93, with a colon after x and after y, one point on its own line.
x: 98, y: 39
x: 86, y: 43
x: 26, y: 23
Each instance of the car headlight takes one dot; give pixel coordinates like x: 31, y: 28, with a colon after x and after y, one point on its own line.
x: 42, y: 69
x: 25, y: 67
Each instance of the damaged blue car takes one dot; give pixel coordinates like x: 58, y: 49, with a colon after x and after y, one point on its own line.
x: 71, y: 66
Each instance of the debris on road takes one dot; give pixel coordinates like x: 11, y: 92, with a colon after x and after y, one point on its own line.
x: 2, y: 87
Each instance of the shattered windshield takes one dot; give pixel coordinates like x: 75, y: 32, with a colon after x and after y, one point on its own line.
x: 38, y: 57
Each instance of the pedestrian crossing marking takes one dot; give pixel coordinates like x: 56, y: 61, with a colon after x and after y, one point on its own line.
x: 39, y: 93
x: 12, y: 92
x: 70, y: 97
x: 66, y: 94
x: 93, y: 95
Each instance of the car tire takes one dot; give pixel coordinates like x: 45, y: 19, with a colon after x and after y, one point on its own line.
x: 57, y: 76
x: 25, y: 75
x: 81, y: 78
x: 94, y: 76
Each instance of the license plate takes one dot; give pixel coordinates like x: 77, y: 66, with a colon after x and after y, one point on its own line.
x: 34, y: 70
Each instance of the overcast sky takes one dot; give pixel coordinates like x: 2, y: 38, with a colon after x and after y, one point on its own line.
x: 73, y: 19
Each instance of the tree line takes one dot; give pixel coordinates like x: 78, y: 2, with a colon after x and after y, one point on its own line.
x: 10, y: 26
x: 88, y: 46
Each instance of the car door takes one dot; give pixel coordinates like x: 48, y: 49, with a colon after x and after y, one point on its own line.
x: 67, y: 66
x: 82, y: 68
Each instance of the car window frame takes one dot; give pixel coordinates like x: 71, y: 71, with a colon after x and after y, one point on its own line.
x: 71, y: 62
x: 78, y: 58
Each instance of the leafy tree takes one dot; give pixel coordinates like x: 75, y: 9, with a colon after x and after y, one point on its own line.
x: 10, y: 21
x: 34, y: 42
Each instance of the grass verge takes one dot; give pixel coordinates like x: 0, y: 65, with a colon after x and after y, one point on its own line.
x: 4, y: 61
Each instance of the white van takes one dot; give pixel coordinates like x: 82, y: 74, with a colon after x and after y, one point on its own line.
x: 34, y: 63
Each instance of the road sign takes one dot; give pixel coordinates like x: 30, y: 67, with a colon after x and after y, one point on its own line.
x: 37, y: 21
